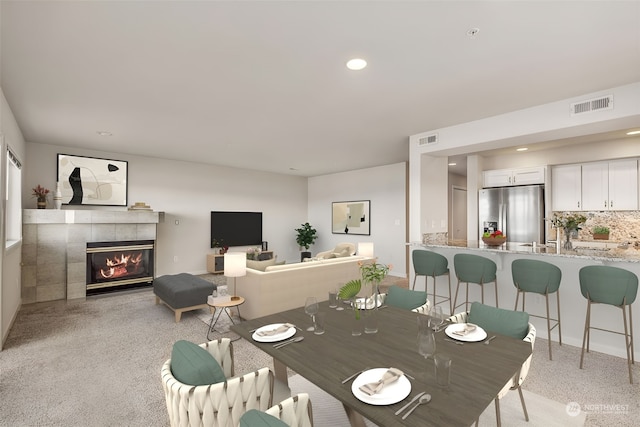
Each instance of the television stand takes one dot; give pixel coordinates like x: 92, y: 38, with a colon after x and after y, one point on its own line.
x: 215, y: 262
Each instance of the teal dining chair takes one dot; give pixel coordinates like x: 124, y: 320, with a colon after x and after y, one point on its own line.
x: 474, y: 269
x: 542, y: 278
x: 432, y: 264
x: 602, y: 284
x: 510, y: 323
x: 407, y: 299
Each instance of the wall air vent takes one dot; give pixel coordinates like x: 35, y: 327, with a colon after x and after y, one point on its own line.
x: 429, y: 139
x: 603, y: 103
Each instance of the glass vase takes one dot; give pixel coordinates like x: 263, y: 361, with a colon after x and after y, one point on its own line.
x: 567, y: 242
x: 371, y: 309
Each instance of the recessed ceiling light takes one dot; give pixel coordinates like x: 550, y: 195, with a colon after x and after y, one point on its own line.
x: 104, y: 133
x: 356, y: 64
x: 472, y: 32
x: 452, y: 164
x: 634, y: 132
x: 522, y: 149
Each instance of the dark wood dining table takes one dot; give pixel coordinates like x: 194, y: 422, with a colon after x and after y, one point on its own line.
x: 478, y: 371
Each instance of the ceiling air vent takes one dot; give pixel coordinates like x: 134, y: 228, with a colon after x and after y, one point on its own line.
x: 596, y: 104
x: 429, y: 139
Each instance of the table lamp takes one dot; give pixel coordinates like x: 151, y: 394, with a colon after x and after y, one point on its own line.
x: 235, y: 265
x: 365, y: 249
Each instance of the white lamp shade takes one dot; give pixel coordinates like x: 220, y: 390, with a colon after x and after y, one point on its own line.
x: 235, y: 264
x: 365, y: 249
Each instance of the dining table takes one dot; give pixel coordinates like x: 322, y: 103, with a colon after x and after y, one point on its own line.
x: 478, y: 371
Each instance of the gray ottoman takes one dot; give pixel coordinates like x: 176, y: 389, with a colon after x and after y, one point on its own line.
x: 182, y: 292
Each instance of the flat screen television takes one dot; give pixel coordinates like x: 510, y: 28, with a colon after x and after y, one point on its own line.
x: 236, y: 228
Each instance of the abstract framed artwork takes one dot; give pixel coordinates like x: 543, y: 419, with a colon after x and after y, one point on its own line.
x: 92, y: 181
x: 351, y: 217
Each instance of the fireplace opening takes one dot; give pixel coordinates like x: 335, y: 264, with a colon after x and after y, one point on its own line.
x: 119, y: 265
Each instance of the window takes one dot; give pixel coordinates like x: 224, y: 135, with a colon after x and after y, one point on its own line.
x: 13, y: 199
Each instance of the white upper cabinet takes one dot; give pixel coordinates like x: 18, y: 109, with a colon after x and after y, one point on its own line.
x: 507, y: 177
x: 610, y: 185
x: 597, y: 186
x: 566, y: 188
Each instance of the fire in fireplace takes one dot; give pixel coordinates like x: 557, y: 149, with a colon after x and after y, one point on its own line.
x: 119, y: 264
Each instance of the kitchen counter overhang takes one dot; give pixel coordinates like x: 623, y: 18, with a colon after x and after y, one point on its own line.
x: 582, y: 250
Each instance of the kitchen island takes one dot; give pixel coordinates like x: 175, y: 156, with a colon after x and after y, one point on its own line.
x: 572, y: 304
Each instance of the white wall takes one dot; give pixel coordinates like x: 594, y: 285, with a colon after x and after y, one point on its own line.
x: 386, y: 188
x: 10, y: 293
x: 187, y: 193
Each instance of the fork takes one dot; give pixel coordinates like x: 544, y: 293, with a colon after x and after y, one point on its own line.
x: 454, y: 341
x: 489, y: 340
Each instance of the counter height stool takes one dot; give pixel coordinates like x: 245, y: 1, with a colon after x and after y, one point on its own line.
x: 602, y: 284
x: 474, y: 269
x: 431, y: 264
x: 541, y: 278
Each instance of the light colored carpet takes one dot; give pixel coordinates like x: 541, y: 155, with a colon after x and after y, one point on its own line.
x: 328, y: 412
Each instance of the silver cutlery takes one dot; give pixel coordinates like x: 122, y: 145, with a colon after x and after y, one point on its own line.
x: 416, y: 397
x: 353, y: 375
x: 454, y: 341
x: 291, y: 341
x: 489, y: 340
x: 423, y: 399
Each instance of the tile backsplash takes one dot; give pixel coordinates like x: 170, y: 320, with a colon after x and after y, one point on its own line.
x: 624, y: 226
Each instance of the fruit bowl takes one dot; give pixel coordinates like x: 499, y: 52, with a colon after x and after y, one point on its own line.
x: 494, y: 241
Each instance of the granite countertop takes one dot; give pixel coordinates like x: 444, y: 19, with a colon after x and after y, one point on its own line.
x: 610, y: 251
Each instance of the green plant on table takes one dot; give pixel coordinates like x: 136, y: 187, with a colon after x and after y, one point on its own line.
x: 349, y: 291
x: 599, y: 229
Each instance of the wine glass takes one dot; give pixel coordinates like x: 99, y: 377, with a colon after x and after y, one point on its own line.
x: 311, y: 308
x: 437, y: 317
x: 427, y: 343
x: 340, y: 302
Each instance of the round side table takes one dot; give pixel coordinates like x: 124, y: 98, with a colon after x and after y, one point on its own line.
x: 223, y: 307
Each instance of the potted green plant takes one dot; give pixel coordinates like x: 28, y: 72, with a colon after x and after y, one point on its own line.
x: 306, y: 236
x: 600, y: 232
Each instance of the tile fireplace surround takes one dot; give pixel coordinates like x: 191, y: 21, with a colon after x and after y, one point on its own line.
x: 54, y: 247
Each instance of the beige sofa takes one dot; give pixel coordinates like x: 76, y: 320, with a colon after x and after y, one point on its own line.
x: 283, y: 287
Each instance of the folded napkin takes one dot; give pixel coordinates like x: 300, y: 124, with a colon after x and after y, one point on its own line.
x: 468, y: 328
x: 279, y: 330
x: 390, y: 376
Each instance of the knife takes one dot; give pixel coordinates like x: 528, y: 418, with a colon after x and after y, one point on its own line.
x: 353, y: 375
x: 416, y: 397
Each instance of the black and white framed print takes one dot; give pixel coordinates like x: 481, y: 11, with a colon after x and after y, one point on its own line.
x: 92, y: 181
x: 351, y: 217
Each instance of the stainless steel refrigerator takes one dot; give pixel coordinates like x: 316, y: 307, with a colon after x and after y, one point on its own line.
x: 516, y: 211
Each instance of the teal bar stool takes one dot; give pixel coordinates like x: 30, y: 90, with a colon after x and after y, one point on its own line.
x: 601, y: 284
x: 474, y: 269
x: 541, y: 278
x: 431, y: 264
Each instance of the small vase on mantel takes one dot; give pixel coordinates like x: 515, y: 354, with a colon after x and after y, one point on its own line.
x: 57, y: 197
x: 41, y: 202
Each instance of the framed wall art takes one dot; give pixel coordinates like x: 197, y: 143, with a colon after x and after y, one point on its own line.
x: 351, y: 217
x: 92, y: 181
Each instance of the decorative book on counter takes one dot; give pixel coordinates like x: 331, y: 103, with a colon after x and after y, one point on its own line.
x: 140, y: 206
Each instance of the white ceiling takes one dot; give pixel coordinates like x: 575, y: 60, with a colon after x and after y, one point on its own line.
x: 263, y: 84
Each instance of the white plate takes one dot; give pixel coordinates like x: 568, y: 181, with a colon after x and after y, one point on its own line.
x: 360, y: 303
x: 478, y: 335
x: 390, y: 393
x: 273, y: 338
